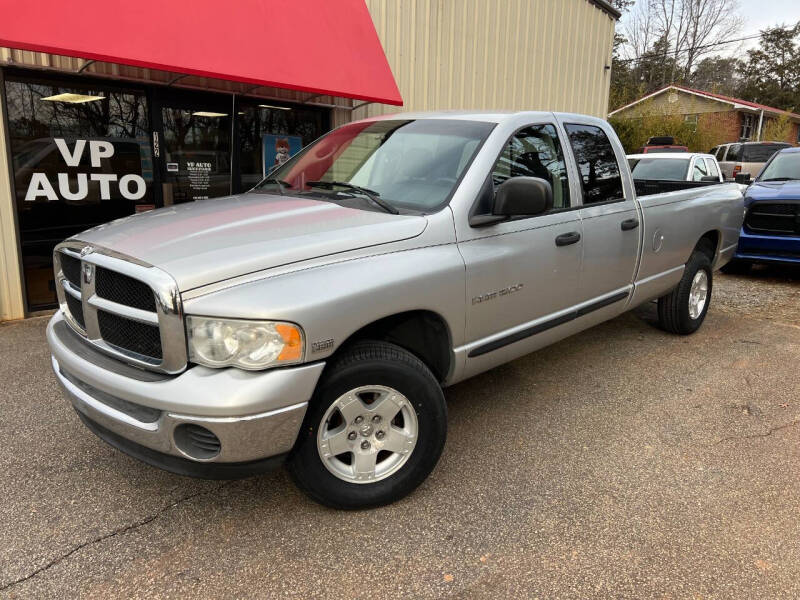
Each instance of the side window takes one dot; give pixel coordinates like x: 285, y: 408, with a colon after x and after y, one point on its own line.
x: 535, y: 152
x: 699, y: 170
x: 712, y: 167
x: 600, y: 174
x: 721, y: 153
x: 734, y: 153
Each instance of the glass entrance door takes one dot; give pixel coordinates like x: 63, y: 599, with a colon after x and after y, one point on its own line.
x: 195, y: 151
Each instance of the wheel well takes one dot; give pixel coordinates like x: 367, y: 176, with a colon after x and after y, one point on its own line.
x: 421, y: 332
x: 708, y: 244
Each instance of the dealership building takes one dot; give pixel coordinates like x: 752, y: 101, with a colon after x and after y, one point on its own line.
x: 120, y: 108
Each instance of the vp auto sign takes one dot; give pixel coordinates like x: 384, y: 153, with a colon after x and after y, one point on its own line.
x: 131, y: 186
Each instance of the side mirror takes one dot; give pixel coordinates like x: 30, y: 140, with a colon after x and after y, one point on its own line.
x: 743, y: 178
x: 523, y: 196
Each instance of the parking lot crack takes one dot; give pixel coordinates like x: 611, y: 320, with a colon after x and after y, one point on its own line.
x: 756, y: 435
x: 119, y: 531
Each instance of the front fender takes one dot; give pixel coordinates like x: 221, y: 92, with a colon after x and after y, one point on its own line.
x: 333, y: 301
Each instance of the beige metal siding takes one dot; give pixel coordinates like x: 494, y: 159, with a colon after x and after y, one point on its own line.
x: 11, y: 306
x: 500, y: 54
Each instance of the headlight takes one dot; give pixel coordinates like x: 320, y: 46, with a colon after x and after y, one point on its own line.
x: 245, y: 344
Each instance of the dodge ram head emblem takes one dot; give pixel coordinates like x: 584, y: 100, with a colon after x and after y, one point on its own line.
x: 88, y: 271
x: 87, y: 250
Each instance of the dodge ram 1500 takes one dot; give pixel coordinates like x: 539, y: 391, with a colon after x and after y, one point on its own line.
x: 315, y: 319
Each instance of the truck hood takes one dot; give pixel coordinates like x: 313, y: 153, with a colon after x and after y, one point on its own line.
x: 773, y: 190
x: 203, y: 242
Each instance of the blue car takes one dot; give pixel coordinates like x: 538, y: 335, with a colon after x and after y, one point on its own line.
x: 771, y: 230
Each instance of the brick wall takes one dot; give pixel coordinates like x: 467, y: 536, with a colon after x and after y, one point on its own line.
x: 722, y: 127
x: 792, y: 137
x: 726, y: 126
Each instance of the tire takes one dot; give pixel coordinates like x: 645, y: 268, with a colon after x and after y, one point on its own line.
x: 674, y: 311
x: 370, y: 380
x: 737, y: 267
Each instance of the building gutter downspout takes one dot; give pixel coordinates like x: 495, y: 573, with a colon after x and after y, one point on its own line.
x: 760, y: 123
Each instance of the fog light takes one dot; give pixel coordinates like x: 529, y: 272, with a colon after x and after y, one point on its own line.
x: 196, y: 442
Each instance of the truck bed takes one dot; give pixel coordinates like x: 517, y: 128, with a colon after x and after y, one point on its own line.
x: 648, y: 187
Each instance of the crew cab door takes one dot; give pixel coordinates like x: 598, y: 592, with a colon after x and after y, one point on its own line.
x: 523, y: 271
x: 610, y: 216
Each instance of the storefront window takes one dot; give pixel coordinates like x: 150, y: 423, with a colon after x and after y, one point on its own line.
x: 81, y: 156
x: 197, y: 153
x: 270, y: 134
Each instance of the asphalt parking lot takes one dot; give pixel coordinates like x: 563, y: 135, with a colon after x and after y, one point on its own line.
x: 621, y: 463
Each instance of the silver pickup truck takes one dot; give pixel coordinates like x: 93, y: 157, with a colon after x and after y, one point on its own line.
x: 315, y: 319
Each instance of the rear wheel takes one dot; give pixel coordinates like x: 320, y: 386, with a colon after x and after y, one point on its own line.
x: 684, y: 309
x: 373, y: 431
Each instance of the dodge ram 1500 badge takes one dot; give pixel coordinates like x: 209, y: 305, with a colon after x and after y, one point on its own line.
x: 315, y: 319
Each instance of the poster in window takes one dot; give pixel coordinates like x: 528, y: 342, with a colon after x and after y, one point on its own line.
x: 277, y: 149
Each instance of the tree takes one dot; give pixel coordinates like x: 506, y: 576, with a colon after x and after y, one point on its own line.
x: 717, y: 74
x: 702, y: 26
x: 771, y: 72
x: 778, y: 130
x: 622, y: 83
x: 664, y: 41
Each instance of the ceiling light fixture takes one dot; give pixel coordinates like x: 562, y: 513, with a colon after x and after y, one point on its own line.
x: 205, y: 113
x: 278, y: 107
x: 73, y: 98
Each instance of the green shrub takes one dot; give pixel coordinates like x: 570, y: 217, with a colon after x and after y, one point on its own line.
x: 634, y: 132
x: 649, y: 120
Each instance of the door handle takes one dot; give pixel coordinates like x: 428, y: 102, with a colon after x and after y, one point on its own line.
x: 629, y: 224
x: 565, y: 239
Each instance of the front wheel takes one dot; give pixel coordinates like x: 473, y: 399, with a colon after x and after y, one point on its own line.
x: 684, y: 309
x: 373, y: 431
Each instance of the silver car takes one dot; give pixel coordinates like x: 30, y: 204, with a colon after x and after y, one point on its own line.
x: 745, y: 157
x: 315, y: 319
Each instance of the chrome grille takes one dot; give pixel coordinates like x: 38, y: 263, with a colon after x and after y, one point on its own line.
x: 124, y: 290
x: 71, y: 267
x: 76, y: 309
x: 129, y: 335
x: 125, y: 308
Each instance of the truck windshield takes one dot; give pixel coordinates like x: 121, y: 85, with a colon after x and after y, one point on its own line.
x: 671, y: 169
x: 784, y: 167
x: 411, y: 164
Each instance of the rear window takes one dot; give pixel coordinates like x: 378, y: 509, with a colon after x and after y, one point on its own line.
x: 761, y: 152
x: 597, y: 164
x: 659, y: 168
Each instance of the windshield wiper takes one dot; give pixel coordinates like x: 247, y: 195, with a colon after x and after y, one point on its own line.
x: 371, y: 194
x: 780, y: 179
x: 280, y: 183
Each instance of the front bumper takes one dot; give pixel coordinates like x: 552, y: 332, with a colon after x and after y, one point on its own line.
x: 768, y: 248
x: 253, y: 414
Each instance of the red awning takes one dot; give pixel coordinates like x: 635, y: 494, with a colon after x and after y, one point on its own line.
x: 320, y: 46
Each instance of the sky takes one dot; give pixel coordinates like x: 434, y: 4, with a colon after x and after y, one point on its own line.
x: 757, y: 15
